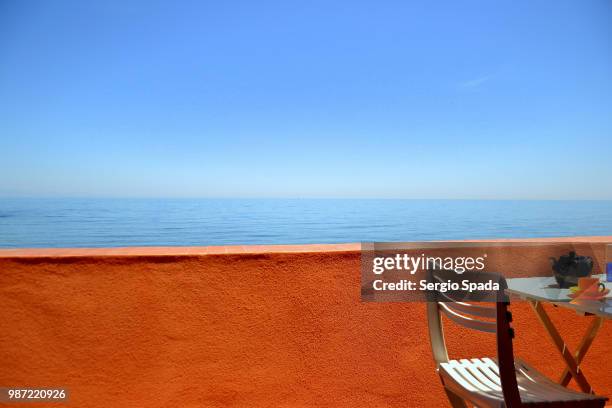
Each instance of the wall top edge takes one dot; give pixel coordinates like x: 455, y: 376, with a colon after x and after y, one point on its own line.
x: 239, y: 249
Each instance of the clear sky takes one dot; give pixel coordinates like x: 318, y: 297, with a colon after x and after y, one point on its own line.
x: 448, y: 99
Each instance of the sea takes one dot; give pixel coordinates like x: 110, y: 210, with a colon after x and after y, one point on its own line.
x: 72, y: 222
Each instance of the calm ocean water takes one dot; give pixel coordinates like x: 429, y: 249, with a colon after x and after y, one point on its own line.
x: 125, y: 222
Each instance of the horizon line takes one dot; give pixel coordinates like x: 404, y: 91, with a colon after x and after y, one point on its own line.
x: 76, y: 197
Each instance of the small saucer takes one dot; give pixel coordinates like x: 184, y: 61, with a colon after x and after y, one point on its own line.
x: 590, y: 295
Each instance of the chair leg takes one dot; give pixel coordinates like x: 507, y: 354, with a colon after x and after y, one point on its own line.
x: 455, y: 400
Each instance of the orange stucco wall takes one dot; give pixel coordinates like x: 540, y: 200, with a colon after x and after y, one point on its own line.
x: 240, y: 326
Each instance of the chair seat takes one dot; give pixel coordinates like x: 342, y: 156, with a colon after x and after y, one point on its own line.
x: 477, y: 380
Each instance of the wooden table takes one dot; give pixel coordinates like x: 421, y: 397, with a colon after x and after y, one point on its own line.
x: 540, y: 290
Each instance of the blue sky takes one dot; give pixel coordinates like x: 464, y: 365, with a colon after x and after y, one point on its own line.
x: 469, y: 99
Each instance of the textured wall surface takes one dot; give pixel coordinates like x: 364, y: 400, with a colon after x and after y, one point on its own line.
x: 244, y: 327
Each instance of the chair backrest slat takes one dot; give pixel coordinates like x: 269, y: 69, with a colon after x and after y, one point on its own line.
x: 470, y: 323
x: 468, y: 308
